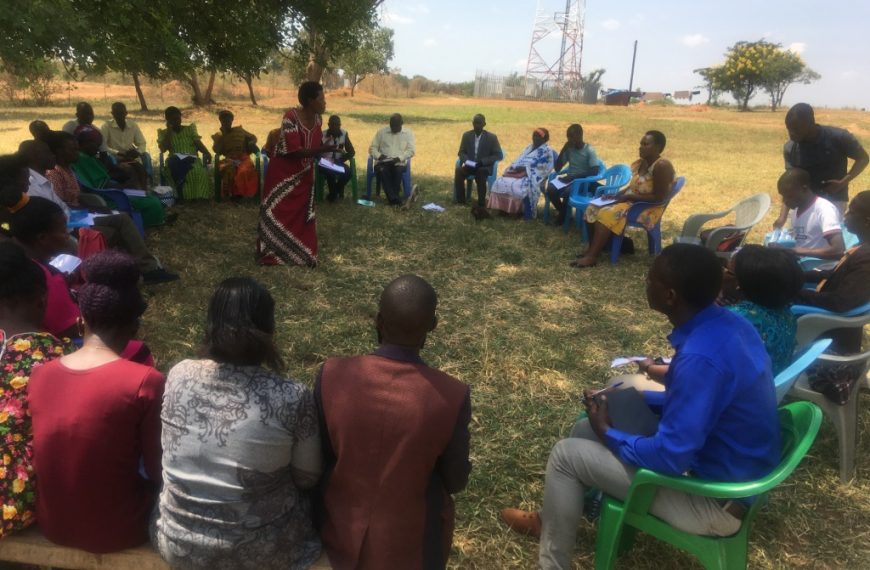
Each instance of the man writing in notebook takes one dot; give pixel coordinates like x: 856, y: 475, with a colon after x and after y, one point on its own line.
x: 718, y: 419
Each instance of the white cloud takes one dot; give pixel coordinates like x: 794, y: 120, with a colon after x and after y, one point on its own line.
x: 849, y: 74
x: 694, y: 40
x: 393, y: 18
x: 797, y: 47
x: 610, y: 24
x: 430, y: 42
x: 521, y: 64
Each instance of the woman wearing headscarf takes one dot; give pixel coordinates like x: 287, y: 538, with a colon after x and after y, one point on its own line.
x: 523, y: 179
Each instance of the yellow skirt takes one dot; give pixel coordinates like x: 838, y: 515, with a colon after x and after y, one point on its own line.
x: 613, y: 217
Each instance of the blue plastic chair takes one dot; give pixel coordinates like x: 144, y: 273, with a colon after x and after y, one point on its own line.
x: 653, y: 236
x: 786, y: 379
x: 801, y: 310
x: 120, y: 201
x: 490, y: 180
x: 370, y: 175
x: 614, y: 178
x: 580, y: 185
x: 850, y: 240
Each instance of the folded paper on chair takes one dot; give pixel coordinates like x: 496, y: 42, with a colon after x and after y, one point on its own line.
x: 629, y: 413
x: 134, y: 192
x: 558, y: 183
x: 329, y: 165
x: 471, y: 164
x: 602, y: 201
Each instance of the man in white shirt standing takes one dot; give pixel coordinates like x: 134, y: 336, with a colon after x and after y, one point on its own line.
x: 815, y: 221
x: 390, y: 150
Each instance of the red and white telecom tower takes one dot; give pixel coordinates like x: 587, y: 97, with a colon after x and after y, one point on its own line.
x: 562, y: 74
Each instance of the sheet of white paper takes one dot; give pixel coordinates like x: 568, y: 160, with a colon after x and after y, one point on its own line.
x: 182, y: 156
x: 602, y: 201
x: 65, y: 263
x: 470, y: 163
x: 666, y: 359
x: 558, y: 184
x: 433, y: 207
x: 329, y: 165
x: 134, y: 193
x: 623, y: 360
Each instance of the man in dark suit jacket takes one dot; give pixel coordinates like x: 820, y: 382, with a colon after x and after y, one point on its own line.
x: 395, y: 441
x: 478, y: 151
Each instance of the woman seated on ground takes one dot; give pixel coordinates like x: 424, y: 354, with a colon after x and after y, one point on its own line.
x: 239, y: 178
x: 241, y: 444
x: 847, y: 286
x: 23, y: 349
x: 651, y: 181
x: 96, y: 421
x: 182, y: 142
x: 524, y: 177
x: 93, y: 172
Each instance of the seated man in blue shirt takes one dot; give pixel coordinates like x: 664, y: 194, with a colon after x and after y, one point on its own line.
x: 718, y: 418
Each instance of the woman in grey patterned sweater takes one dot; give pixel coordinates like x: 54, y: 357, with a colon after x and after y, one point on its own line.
x: 240, y: 447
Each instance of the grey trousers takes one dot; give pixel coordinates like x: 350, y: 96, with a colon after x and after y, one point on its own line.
x: 582, y: 461
x: 120, y: 232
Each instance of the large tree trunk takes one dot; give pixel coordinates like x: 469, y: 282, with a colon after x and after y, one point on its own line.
x: 210, y: 88
x: 197, y: 98
x: 249, y: 79
x: 143, y: 106
x: 313, y: 71
x: 357, y: 79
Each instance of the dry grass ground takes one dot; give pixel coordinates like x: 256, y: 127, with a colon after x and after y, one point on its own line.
x: 516, y: 323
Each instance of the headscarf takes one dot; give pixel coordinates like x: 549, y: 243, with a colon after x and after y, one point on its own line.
x: 88, y: 134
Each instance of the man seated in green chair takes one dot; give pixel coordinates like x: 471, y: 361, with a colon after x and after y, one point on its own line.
x: 337, y: 137
x: 718, y: 418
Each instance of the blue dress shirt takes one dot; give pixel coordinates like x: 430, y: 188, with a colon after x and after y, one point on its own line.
x: 718, y: 412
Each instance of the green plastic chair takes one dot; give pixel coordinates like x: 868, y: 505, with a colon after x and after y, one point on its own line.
x: 319, y: 182
x: 620, y: 521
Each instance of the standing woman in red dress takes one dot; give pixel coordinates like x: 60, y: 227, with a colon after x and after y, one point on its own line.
x: 287, y: 233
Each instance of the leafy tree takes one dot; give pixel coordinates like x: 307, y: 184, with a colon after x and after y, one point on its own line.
x: 761, y: 65
x: 712, y: 80
x: 372, y: 56
x: 783, y: 69
x: 323, y: 31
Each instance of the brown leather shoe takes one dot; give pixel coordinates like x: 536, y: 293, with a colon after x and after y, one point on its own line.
x: 523, y: 522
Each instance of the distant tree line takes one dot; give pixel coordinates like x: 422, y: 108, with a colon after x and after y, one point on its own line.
x: 190, y: 41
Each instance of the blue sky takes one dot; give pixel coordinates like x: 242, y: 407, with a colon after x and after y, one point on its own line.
x: 451, y: 39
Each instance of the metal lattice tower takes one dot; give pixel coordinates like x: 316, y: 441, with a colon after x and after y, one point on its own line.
x: 563, y: 72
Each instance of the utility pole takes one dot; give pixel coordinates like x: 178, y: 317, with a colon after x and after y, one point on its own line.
x: 633, y: 58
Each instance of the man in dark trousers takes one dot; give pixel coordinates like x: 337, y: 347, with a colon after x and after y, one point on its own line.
x: 478, y: 151
x: 824, y: 152
x: 396, y: 442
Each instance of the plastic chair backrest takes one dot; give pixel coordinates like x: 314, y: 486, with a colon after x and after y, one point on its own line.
x: 849, y: 239
x: 801, y: 310
x: 675, y: 189
x: 799, y: 424
x: 814, y: 325
x: 785, y: 379
x: 617, y: 176
x: 752, y: 210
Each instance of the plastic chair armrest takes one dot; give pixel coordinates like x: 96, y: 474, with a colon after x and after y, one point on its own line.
x: 715, y: 489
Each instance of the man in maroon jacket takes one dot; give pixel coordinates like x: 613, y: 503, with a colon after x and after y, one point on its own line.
x: 396, y: 441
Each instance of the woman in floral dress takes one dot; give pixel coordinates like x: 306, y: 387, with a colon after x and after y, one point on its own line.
x: 22, y: 303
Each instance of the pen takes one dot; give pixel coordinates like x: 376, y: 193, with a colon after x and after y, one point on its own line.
x: 595, y: 394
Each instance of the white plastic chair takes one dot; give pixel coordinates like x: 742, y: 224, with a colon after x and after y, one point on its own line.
x: 748, y: 212
x: 809, y: 328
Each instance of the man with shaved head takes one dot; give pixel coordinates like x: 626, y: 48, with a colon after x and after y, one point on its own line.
x: 395, y: 442
x: 479, y: 149
x: 824, y: 152
x: 815, y: 222
x: 391, y: 149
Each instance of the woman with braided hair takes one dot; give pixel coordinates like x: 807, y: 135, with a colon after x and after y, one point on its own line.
x: 96, y: 421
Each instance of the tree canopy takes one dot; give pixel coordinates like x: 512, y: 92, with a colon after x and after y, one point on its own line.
x: 750, y: 67
x: 181, y: 39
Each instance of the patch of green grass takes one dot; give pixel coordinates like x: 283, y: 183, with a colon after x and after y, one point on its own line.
x: 524, y: 330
